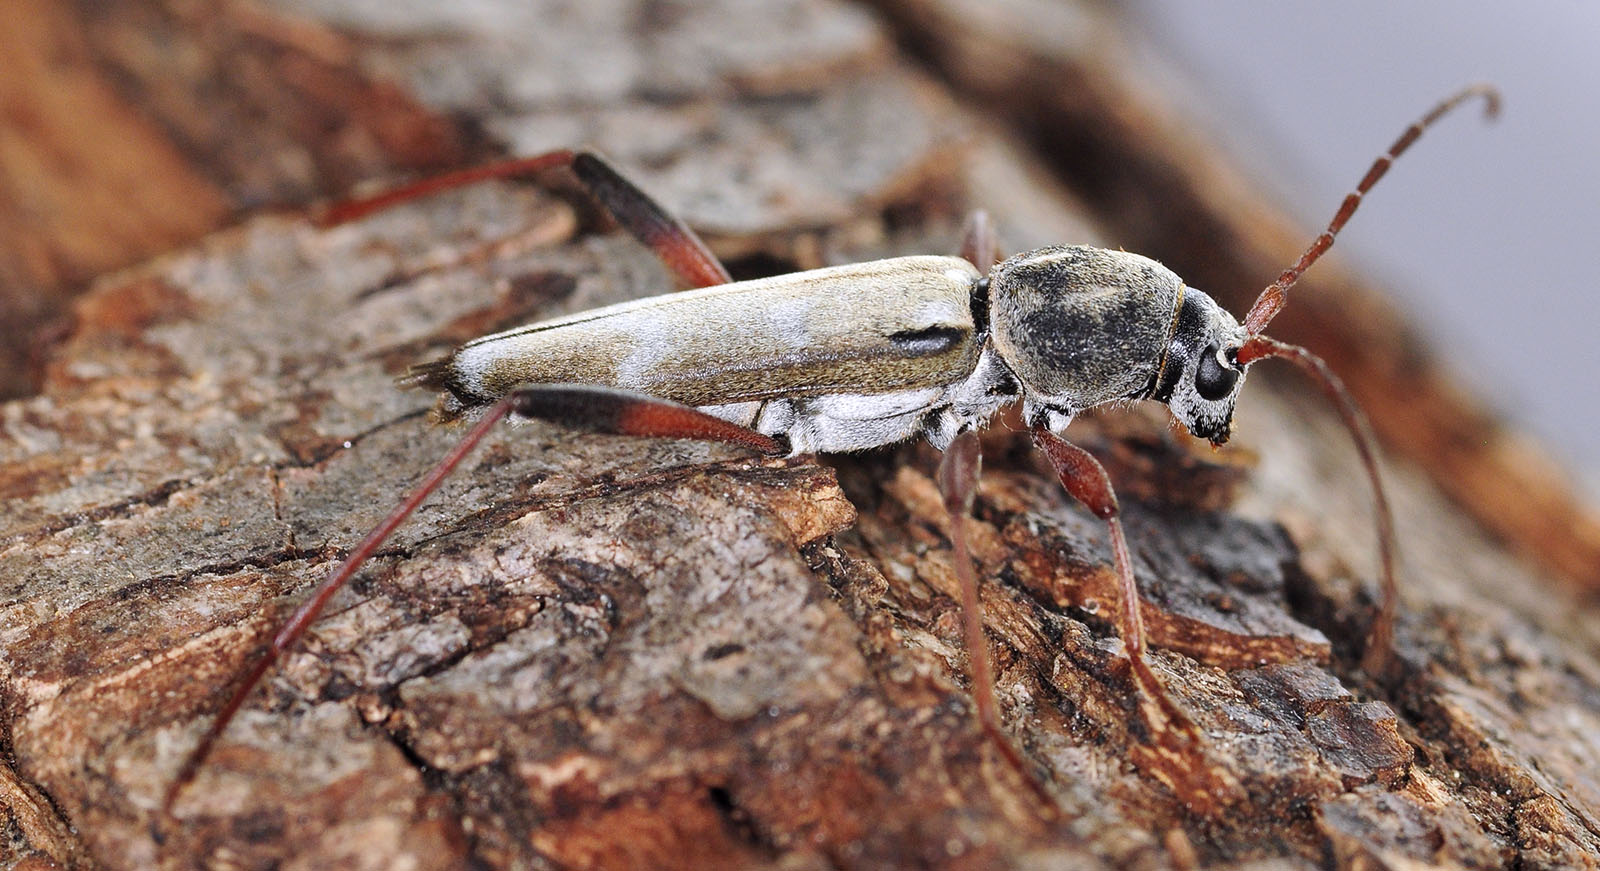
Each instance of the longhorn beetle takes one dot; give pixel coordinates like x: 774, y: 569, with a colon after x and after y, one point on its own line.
x: 855, y: 357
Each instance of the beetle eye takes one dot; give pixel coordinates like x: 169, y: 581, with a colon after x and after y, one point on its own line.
x: 1212, y: 380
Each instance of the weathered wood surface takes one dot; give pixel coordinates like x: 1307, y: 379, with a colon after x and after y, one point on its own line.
x: 134, y: 127
x: 594, y: 652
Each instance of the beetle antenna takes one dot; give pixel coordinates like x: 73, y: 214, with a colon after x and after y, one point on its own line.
x: 309, y: 610
x: 1380, y: 639
x: 1271, y: 300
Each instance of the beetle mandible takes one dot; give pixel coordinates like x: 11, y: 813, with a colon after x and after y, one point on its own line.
x: 855, y: 357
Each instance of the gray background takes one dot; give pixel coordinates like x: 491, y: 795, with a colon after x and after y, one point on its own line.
x: 1485, y: 234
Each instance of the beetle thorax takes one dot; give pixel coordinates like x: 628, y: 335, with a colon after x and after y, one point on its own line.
x: 1080, y: 326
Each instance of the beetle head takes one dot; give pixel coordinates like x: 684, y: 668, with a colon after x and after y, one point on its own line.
x: 1200, y: 376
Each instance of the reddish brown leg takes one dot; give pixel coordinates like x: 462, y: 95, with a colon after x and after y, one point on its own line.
x: 1086, y: 480
x: 678, y: 246
x: 357, y: 208
x: 979, y: 244
x: 958, y: 483
x: 1174, y: 753
x: 623, y: 412
x: 601, y: 409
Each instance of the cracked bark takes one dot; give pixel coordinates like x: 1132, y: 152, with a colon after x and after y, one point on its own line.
x: 595, y: 652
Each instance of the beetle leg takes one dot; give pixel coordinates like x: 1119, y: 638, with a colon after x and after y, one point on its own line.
x: 1176, y: 755
x: 297, y: 624
x: 624, y: 412
x: 667, y: 235
x: 979, y: 243
x: 356, y: 208
x: 1086, y: 480
x: 602, y: 409
x: 670, y: 238
x: 958, y: 484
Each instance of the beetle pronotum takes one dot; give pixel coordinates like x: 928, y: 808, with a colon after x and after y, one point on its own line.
x: 854, y: 357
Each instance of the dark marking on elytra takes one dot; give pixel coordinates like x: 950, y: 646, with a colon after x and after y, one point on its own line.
x: 722, y: 651
x: 928, y: 341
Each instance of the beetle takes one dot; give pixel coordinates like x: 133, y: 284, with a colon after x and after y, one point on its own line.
x: 853, y: 357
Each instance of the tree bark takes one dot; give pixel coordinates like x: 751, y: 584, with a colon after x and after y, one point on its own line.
x: 600, y: 652
x: 133, y: 128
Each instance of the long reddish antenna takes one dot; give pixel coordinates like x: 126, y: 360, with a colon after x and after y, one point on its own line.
x: 1380, y: 639
x: 1271, y: 300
